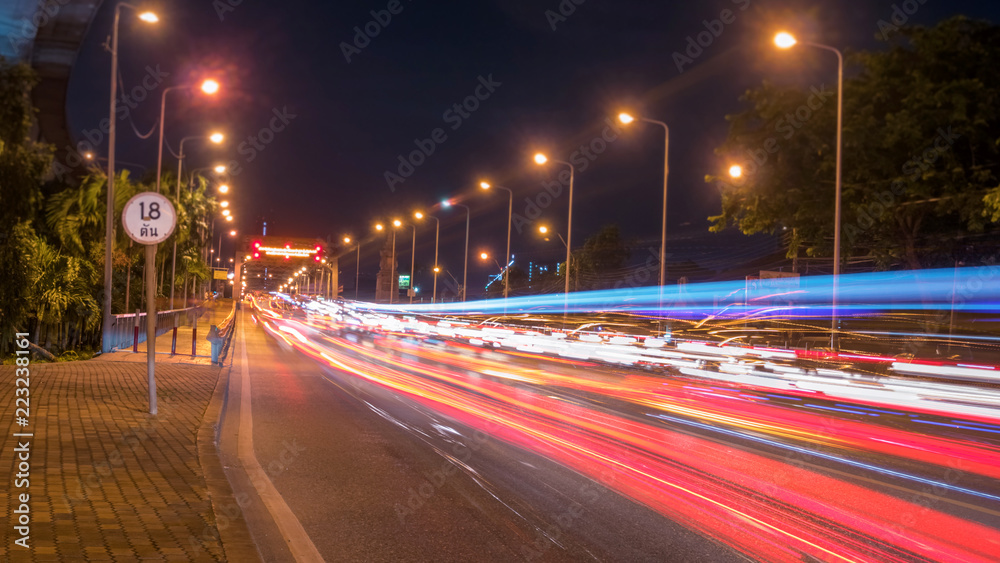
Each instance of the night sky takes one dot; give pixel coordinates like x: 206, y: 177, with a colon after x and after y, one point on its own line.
x: 346, y: 123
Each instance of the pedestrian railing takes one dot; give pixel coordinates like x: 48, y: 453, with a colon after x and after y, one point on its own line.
x: 129, y: 330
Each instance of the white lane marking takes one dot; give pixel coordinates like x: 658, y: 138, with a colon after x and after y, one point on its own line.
x: 291, y: 529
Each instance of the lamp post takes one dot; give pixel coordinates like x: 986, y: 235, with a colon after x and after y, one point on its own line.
x: 215, y: 138
x: 626, y: 119
x: 413, y: 263
x: 465, y: 274
x: 209, y: 87
x: 510, y: 216
x: 785, y: 40
x: 437, y: 239
x: 542, y: 159
x: 357, y: 265
x: 109, y: 223
x: 545, y: 230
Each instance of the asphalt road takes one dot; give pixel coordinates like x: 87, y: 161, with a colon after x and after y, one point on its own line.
x: 375, y: 476
x: 391, y: 446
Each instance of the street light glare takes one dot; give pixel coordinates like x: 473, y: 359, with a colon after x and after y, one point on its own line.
x: 225, y: 212
x: 397, y: 223
x: 784, y: 40
x: 418, y: 215
x: 223, y: 189
x: 229, y: 217
x: 220, y: 169
x: 224, y: 204
x: 210, y: 86
x: 736, y: 171
x: 149, y: 17
x: 625, y: 118
x: 485, y: 185
x: 541, y: 158
x: 379, y: 227
x: 232, y: 233
x: 347, y: 240
x: 217, y: 138
x: 483, y: 255
x: 543, y: 230
x: 88, y: 155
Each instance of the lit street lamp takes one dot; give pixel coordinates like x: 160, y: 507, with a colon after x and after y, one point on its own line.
x: 785, y: 40
x: 510, y: 215
x: 216, y: 138
x: 437, y: 238
x: 542, y: 159
x: 209, y: 87
x: 468, y: 214
x: 109, y: 223
x: 545, y: 230
x: 357, y: 273
x: 413, y: 263
x: 626, y: 119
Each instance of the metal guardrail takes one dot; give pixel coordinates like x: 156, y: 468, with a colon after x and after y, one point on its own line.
x: 123, y: 327
x: 227, y: 329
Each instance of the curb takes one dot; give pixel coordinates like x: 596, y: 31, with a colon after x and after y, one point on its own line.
x: 234, y: 535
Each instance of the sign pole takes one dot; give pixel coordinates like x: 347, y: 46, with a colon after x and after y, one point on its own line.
x: 151, y: 325
x: 149, y: 219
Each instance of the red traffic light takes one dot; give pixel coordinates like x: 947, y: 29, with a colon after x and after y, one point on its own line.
x: 256, y: 255
x: 256, y: 244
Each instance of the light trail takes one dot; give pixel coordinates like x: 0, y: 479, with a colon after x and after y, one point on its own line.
x: 709, y: 477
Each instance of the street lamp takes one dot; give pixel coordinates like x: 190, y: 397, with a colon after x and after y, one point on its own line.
x: 224, y: 188
x: 542, y: 159
x: 736, y: 171
x: 413, y: 263
x: 216, y: 138
x: 510, y: 216
x: 468, y: 214
x: 545, y: 230
x: 437, y: 239
x: 785, y: 40
x: 626, y: 119
x: 220, y: 169
x: 209, y: 87
x: 357, y: 273
x: 393, y: 288
x: 109, y: 223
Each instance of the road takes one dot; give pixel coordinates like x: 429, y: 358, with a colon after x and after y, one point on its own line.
x: 389, y: 441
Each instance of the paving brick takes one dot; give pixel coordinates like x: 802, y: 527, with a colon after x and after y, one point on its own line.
x: 109, y: 482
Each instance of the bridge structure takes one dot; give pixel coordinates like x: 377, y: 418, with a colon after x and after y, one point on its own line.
x: 47, y: 35
x: 265, y: 263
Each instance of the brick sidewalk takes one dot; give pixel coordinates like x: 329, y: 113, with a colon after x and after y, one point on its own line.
x: 109, y: 482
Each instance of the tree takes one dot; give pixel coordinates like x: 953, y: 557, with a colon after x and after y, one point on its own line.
x: 23, y: 166
x: 921, y: 133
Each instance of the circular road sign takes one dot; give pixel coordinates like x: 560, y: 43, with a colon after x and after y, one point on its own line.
x: 149, y: 218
